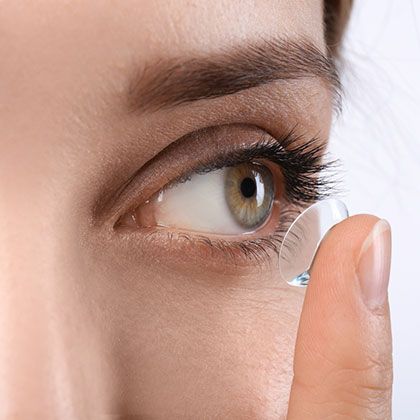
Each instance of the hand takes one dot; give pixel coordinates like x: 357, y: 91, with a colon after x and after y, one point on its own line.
x: 343, y: 354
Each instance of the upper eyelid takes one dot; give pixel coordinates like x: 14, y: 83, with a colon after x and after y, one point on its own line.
x: 223, y: 160
x: 174, y: 158
x: 150, y: 179
x: 218, y: 162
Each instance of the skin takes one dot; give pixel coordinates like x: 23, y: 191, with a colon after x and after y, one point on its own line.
x: 98, y: 325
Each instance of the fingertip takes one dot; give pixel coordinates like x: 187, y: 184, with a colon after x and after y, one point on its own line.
x: 348, y: 236
x: 340, y: 249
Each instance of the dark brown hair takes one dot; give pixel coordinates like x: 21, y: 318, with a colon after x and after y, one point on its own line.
x: 336, y: 16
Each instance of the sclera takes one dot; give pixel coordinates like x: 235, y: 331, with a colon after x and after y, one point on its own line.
x: 303, y: 238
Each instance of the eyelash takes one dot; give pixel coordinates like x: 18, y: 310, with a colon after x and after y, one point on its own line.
x: 307, y: 175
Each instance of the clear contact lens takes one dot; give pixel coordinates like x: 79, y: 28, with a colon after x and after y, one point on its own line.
x: 303, y: 237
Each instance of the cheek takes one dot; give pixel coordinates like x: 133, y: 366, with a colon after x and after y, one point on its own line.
x: 182, y: 346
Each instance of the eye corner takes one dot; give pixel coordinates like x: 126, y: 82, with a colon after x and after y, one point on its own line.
x: 127, y: 220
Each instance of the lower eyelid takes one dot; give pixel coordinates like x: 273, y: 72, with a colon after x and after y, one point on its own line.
x: 244, y: 250
x: 200, y: 253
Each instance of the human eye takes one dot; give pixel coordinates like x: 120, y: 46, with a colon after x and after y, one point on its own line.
x: 231, y: 200
x: 242, y: 196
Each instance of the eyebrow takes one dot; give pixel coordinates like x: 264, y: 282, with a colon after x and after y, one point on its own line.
x: 174, y: 81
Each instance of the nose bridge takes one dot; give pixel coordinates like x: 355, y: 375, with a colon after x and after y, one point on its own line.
x: 48, y: 347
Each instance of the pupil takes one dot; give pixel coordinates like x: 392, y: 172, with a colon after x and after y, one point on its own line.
x: 248, y: 187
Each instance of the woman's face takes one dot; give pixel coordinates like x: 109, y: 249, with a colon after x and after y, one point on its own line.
x: 120, y: 299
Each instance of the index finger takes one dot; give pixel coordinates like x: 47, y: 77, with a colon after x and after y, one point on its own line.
x: 343, y: 364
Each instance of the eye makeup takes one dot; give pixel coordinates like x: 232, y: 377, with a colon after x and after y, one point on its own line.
x: 297, y: 163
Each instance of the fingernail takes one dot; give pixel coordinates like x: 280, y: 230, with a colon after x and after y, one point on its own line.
x: 374, y: 265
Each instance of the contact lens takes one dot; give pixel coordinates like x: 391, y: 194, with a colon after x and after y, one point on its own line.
x: 304, y: 236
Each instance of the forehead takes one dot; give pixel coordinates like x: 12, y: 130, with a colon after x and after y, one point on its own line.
x: 74, y: 57
x: 95, y: 29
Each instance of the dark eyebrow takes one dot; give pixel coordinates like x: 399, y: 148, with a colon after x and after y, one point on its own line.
x: 170, y: 82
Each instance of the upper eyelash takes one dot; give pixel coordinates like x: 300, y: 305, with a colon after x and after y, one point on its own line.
x: 307, y: 174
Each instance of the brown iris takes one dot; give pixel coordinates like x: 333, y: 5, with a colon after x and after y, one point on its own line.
x: 249, y: 192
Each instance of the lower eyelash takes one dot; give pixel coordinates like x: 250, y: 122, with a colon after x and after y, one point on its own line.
x: 259, y: 249
x: 256, y: 249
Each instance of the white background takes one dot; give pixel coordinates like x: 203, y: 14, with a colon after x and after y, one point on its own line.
x: 377, y: 139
